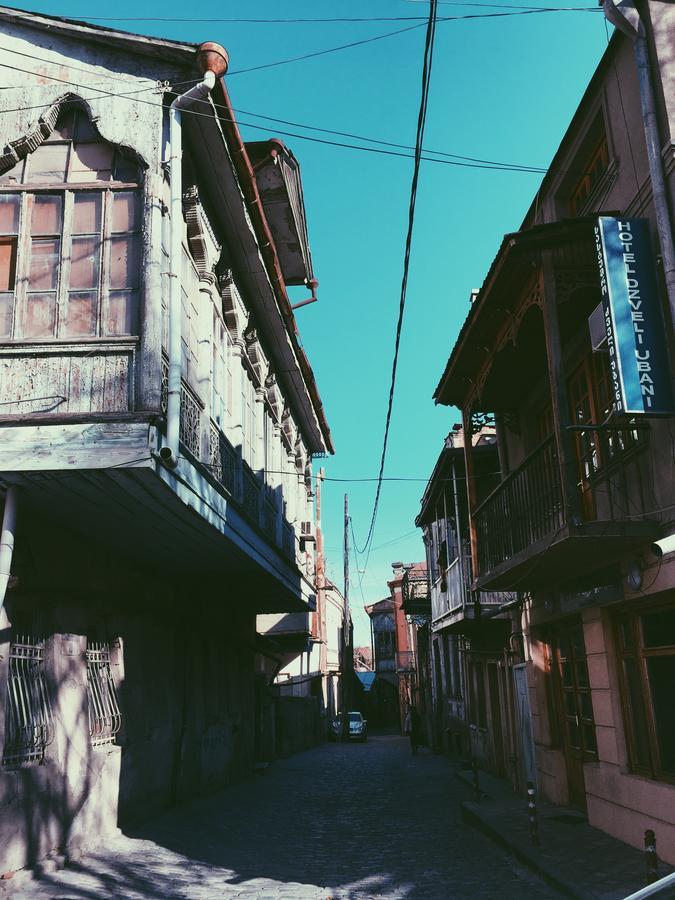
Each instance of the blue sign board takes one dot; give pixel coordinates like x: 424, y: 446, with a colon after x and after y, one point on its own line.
x: 638, y: 357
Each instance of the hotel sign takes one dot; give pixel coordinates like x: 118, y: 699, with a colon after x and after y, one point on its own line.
x: 638, y: 358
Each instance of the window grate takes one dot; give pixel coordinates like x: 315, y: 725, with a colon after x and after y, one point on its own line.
x: 105, y: 717
x: 28, y: 715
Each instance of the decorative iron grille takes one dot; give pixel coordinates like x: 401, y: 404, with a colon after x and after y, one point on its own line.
x: 105, y: 718
x: 288, y: 540
x: 28, y: 714
x: 190, y: 409
x: 270, y: 518
x: 222, y: 458
x: 252, y: 492
x: 189, y: 420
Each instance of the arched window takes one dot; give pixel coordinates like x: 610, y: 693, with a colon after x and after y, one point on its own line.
x: 70, y: 235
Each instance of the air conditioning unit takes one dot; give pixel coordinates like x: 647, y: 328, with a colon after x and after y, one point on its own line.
x: 598, y: 329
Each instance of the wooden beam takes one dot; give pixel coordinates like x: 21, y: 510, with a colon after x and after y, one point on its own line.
x: 471, y: 494
x: 559, y: 399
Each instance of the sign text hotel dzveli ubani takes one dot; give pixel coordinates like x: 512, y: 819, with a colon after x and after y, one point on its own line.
x: 635, y: 330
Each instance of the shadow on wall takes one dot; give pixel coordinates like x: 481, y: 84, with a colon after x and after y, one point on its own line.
x: 186, y: 695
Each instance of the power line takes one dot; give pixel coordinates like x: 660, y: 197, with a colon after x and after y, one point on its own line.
x: 388, y: 34
x: 333, y: 19
x: 419, y: 142
x: 452, y: 159
x: 131, y: 96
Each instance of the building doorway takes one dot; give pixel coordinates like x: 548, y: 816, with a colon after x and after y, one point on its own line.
x: 575, y: 708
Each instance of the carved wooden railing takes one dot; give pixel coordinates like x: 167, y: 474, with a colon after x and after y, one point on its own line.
x: 526, y: 507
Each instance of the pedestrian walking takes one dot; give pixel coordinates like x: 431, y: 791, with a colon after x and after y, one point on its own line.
x: 413, y: 727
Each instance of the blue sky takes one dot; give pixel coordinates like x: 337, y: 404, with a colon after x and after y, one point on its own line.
x: 502, y: 89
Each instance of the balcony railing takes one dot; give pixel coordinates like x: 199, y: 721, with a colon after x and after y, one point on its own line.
x: 252, y: 493
x: 256, y: 499
x: 525, y: 508
x: 288, y: 540
x: 526, y: 511
x: 222, y: 459
x: 415, y: 587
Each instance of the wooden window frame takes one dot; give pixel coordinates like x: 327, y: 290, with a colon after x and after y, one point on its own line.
x: 597, y: 163
x: 21, y: 291
x: 633, y: 619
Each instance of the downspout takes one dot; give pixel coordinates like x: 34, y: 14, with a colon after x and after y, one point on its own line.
x: 623, y: 14
x: 213, y: 62
x: 7, y: 541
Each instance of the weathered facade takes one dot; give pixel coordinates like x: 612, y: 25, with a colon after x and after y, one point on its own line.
x: 158, y: 419
x: 471, y: 714
x: 586, y: 489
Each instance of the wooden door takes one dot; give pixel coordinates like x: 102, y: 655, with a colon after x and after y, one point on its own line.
x: 575, y: 708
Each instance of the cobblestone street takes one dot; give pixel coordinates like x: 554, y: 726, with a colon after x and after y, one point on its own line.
x: 357, y: 821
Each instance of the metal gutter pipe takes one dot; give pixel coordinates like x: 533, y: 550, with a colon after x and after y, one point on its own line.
x: 7, y: 541
x: 624, y: 15
x: 170, y: 451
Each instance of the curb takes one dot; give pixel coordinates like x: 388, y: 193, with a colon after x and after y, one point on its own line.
x: 526, y: 855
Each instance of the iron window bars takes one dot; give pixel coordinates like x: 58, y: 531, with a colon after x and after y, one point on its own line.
x: 105, y: 717
x: 28, y: 715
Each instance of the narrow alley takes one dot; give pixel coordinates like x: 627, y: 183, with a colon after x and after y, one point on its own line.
x: 350, y: 821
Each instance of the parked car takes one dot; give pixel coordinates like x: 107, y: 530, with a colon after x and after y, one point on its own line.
x: 358, y: 727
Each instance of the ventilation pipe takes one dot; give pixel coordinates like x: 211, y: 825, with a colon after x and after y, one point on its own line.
x: 213, y: 61
x: 7, y: 541
x: 623, y: 14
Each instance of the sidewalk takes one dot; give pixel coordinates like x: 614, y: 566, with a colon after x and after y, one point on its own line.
x: 576, y: 859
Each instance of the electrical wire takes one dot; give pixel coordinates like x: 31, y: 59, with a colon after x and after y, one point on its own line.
x: 380, y: 37
x: 452, y: 159
x: 332, y: 19
x: 419, y: 143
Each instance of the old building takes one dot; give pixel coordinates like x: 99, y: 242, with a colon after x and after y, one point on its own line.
x: 469, y: 665
x: 158, y: 419
x: 565, y: 345
x: 306, y: 664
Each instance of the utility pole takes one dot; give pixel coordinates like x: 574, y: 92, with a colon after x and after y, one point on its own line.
x: 347, y: 658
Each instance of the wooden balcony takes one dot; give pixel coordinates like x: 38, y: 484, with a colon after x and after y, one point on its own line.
x: 525, y: 537
x: 416, y: 596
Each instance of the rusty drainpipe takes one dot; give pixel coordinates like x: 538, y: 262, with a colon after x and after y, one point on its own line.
x: 249, y: 186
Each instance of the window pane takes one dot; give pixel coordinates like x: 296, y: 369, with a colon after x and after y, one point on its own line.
x: 658, y: 629
x: 124, y: 262
x: 86, y: 213
x: 46, y: 217
x: 84, y: 262
x: 9, y: 213
x: 84, y: 128
x: 125, y: 211
x: 81, y: 314
x: 126, y: 168
x: 91, y: 162
x: 661, y: 671
x: 40, y: 315
x: 7, y: 263
x: 44, y: 264
x: 6, y: 308
x: 636, y: 713
x: 48, y: 164
x: 15, y: 175
x: 122, y: 313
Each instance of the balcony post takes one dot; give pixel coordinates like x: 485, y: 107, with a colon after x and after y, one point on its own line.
x: 558, y: 387
x: 470, y: 486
